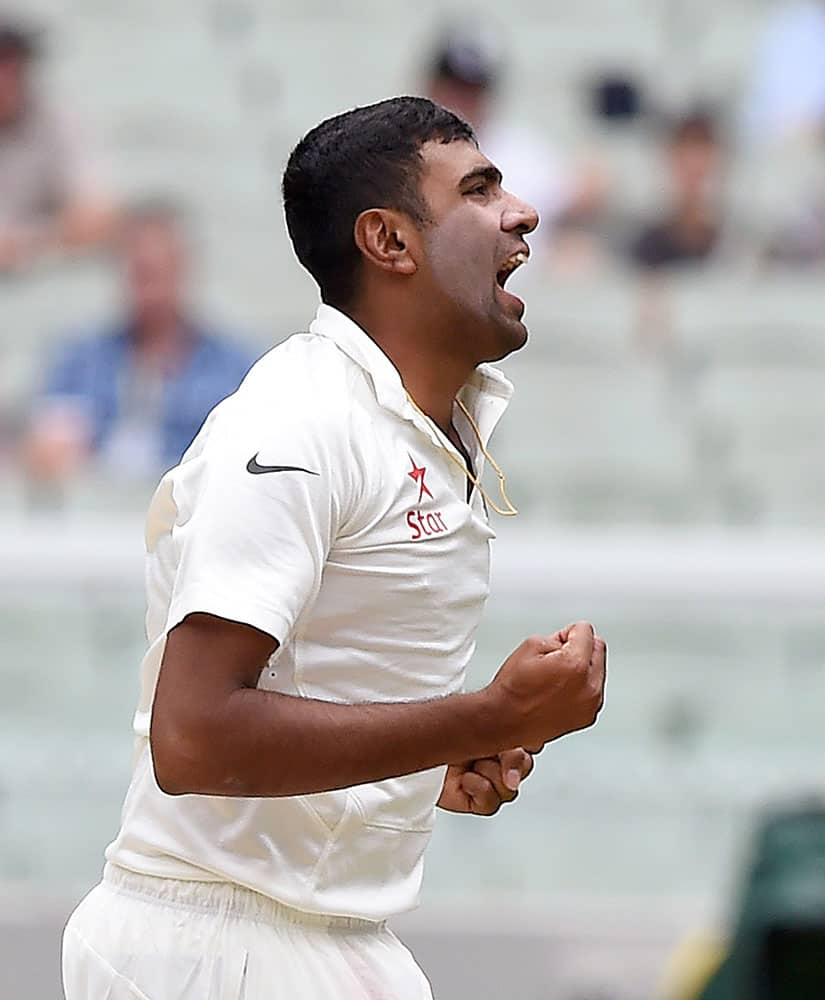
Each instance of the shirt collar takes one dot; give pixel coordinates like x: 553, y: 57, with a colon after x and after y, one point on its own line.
x: 486, y: 394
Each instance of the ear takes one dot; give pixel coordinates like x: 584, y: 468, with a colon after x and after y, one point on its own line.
x: 386, y: 239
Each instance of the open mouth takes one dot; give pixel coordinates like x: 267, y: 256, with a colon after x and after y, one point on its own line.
x: 513, y: 261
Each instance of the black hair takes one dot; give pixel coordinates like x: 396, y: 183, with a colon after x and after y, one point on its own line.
x: 366, y: 158
x: 18, y: 40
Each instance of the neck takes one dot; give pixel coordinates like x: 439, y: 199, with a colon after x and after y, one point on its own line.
x: 160, y: 339
x: 418, y: 344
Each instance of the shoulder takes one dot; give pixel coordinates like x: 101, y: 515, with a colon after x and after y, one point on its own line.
x: 309, y: 370
x: 305, y: 383
x: 83, y: 364
x: 84, y: 346
x: 302, y: 404
x: 222, y: 348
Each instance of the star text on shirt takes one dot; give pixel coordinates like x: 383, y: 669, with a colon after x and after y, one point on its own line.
x: 420, y: 524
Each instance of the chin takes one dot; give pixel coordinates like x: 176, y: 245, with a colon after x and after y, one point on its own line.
x: 510, y: 337
x: 521, y: 337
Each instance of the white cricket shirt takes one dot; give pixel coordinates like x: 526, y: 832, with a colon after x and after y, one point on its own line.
x: 367, y: 564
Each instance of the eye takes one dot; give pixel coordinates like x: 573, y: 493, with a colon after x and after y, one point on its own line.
x: 480, y: 189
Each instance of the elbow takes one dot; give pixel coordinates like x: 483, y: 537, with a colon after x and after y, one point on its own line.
x: 174, y: 774
x: 193, y: 757
x: 169, y: 780
x: 179, y: 758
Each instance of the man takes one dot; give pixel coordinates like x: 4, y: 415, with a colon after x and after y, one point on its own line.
x: 52, y: 198
x: 690, y: 229
x: 317, y: 568
x: 133, y: 396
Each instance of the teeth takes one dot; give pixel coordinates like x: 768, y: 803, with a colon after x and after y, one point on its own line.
x: 515, y: 261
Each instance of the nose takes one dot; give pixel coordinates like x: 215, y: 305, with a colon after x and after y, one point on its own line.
x: 519, y: 216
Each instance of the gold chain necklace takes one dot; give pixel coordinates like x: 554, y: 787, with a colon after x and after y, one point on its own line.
x: 510, y: 510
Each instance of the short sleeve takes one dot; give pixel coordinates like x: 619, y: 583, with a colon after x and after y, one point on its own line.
x: 257, y: 515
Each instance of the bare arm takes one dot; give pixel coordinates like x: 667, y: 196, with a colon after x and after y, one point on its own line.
x: 82, y: 225
x: 214, y: 733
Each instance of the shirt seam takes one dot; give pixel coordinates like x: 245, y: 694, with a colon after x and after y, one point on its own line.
x: 199, y: 599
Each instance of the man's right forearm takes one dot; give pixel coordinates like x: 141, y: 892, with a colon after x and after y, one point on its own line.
x: 214, y: 732
x: 265, y: 744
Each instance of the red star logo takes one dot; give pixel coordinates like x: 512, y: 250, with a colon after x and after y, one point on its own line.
x: 417, y: 475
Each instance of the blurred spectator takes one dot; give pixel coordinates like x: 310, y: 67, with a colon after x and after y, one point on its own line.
x: 786, y: 96
x: 696, y: 961
x: 51, y: 195
x: 800, y: 243
x: 797, y: 239
x: 776, y: 949
x: 135, y: 394
x: 464, y: 74
x: 690, y: 228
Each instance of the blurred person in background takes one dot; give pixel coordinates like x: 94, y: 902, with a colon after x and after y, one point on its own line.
x: 465, y: 71
x: 797, y: 239
x: 783, y: 125
x: 776, y: 945
x: 52, y: 198
x: 133, y: 395
x: 785, y: 98
x: 689, y: 229
x: 799, y: 242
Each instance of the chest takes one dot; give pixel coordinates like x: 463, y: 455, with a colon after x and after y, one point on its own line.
x: 421, y: 523
x: 405, y: 591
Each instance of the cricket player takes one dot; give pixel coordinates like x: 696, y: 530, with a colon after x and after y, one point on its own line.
x: 317, y: 566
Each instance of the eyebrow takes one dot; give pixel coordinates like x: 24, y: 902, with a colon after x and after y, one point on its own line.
x: 488, y: 173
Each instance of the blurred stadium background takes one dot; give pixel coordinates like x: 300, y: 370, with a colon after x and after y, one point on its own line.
x: 666, y: 453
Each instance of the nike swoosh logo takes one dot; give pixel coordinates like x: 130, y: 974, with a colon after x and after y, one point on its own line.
x: 258, y: 470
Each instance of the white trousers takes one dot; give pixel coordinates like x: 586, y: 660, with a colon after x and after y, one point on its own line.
x: 136, y: 937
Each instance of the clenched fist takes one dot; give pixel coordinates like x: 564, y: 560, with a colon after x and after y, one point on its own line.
x: 550, y: 686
